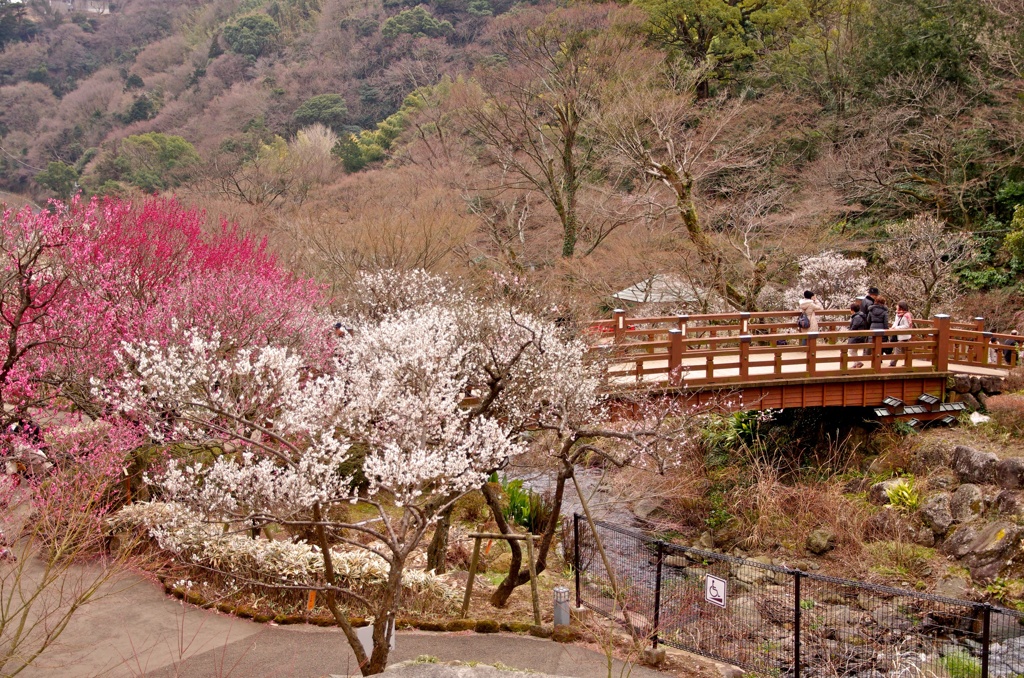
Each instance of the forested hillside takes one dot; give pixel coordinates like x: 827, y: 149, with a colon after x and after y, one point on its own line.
x: 743, y: 149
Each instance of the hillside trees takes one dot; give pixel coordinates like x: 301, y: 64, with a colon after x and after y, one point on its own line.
x: 715, y: 157
x: 533, y: 120
x: 251, y: 35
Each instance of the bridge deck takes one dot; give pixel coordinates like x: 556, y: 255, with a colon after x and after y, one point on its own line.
x: 764, y: 356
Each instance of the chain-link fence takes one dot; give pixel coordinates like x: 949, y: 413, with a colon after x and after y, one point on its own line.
x: 782, y: 622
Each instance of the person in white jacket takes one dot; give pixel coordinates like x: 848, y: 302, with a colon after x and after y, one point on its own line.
x: 810, y: 307
x: 903, y: 321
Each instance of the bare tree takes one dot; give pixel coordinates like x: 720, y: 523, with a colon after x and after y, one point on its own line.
x: 920, y: 259
x: 533, y: 118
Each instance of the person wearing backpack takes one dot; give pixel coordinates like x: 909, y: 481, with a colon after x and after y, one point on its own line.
x: 807, y: 321
x: 858, y: 323
x: 903, y: 321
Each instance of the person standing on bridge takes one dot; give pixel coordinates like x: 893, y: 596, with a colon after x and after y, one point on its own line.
x: 858, y: 323
x: 878, y: 316
x: 903, y: 321
x: 809, y: 307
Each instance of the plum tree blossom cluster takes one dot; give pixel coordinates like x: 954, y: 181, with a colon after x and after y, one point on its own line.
x: 836, y: 280
x: 421, y: 401
x: 268, y: 561
x: 78, y: 281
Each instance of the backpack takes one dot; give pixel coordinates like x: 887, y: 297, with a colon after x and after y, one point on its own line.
x: 802, y: 321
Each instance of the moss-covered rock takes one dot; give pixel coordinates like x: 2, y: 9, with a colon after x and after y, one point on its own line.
x: 487, y: 626
x: 461, y: 624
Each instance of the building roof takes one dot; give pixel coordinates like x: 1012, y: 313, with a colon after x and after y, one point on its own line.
x: 661, y: 287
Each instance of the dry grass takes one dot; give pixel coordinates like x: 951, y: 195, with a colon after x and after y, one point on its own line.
x: 776, y: 514
x: 1007, y: 412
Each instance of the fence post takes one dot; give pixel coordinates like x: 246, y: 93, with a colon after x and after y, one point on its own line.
x: 876, y: 351
x: 796, y: 623
x: 943, y: 344
x: 745, y: 355
x: 986, y: 340
x: 744, y: 322
x: 812, y: 352
x: 675, y: 356
x: 986, y: 637
x: 619, y: 315
x: 576, y: 556
x: 657, y: 592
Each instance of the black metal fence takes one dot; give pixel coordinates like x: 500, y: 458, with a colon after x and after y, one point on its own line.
x: 783, y: 622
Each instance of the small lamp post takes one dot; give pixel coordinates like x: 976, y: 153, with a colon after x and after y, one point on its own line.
x: 561, y: 595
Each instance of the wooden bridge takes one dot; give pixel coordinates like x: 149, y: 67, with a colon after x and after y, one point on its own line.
x: 748, y: 361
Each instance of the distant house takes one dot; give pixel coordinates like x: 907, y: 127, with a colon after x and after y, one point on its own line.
x: 660, y: 288
x: 89, y: 6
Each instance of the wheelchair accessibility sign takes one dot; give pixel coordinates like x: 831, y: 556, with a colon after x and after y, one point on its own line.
x: 714, y: 590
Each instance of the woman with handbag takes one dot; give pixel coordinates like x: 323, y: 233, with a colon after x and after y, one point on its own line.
x: 902, y: 321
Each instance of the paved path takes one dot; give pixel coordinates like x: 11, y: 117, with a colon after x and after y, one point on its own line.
x: 136, y: 630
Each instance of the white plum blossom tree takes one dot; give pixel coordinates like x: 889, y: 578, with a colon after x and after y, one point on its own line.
x: 836, y: 280
x: 392, y: 406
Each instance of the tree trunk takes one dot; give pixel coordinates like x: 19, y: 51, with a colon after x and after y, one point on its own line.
x: 516, y: 576
x: 384, y: 621
x: 437, y: 551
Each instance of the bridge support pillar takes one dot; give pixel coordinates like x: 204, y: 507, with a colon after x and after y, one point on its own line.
x: 619, y: 316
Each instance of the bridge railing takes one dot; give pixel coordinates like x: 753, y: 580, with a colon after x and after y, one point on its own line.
x: 743, y: 347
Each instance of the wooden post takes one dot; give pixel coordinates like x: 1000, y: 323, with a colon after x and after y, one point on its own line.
x: 681, y: 323
x: 876, y: 351
x: 533, y: 580
x: 619, y: 315
x: 986, y: 343
x: 472, y: 573
x: 745, y: 353
x: 675, y: 357
x: 942, y: 343
x: 812, y: 352
x: 744, y: 322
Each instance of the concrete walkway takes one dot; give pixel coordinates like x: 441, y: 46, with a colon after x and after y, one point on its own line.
x: 136, y: 630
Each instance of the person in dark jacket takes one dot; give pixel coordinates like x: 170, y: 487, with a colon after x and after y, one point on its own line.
x: 869, y: 300
x: 858, y: 322
x: 1011, y: 353
x: 878, y: 317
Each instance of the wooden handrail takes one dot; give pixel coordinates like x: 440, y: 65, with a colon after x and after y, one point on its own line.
x: 707, y: 349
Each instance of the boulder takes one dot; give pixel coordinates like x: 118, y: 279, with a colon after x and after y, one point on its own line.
x: 1010, y: 504
x: 970, y: 401
x: 982, y: 399
x: 879, y: 492
x: 1010, y: 473
x: 886, y: 525
x: 958, y: 544
x: 936, y: 513
x: 962, y: 383
x: 975, y: 385
x: 646, y: 508
x: 821, y: 541
x: 943, y: 480
x: 993, y: 385
x: 967, y: 503
x: 955, y: 587
x: 973, y: 466
x: 993, y: 544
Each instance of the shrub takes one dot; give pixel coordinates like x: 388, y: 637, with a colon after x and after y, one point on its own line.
x: 1007, y: 411
x: 960, y: 664
x: 903, y: 495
